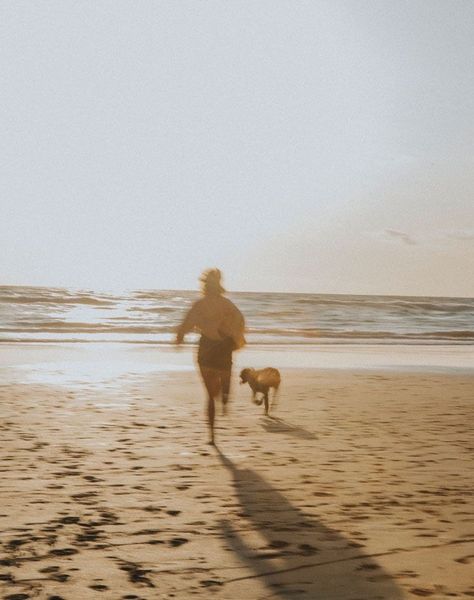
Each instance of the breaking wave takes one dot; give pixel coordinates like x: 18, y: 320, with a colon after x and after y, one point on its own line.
x: 42, y: 314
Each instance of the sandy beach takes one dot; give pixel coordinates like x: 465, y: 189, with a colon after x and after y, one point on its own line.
x: 358, y: 487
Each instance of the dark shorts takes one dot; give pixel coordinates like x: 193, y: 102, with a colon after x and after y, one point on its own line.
x: 215, y: 354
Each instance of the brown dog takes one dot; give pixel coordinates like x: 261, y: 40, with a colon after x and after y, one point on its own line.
x: 261, y: 381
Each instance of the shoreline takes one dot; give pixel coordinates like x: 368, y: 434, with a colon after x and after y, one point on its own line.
x: 113, y: 359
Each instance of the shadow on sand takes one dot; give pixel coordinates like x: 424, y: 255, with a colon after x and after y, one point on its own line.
x: 293, y: 554
x: 277, y: 425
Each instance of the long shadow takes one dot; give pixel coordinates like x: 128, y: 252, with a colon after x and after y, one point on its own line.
x: 276, y: 425
x: 295, y: 555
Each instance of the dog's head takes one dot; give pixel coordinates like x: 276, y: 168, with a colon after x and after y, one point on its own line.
x: 244, y: 375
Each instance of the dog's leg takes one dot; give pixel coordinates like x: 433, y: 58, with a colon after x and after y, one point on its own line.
x: 212, y: 384
x: 265, y: 397
x: 275, y: 396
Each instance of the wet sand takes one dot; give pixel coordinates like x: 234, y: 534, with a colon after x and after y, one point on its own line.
x: 358, y: 487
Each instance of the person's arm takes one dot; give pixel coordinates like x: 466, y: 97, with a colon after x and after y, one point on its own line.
x: 187, y: 325
x: 235, y: 326
x: 239, y: 338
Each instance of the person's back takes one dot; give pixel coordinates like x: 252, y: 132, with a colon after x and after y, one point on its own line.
x: 216, y: 317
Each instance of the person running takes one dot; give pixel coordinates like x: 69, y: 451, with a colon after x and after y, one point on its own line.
x: 221, y: 325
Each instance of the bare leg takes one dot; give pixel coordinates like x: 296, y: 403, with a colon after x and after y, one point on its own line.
x: 212, y: 382
x: 211, y: 411
x: 225, y: 383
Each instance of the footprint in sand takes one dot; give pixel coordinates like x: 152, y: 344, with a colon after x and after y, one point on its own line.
x: 210, y: 582
x: 367, y: 567
x: 177, y: 541
x: 64, y: 551
x: 52, y: 569
x: 99, y: 587
x: 136, y: 574
x: 421, y: 592
x: 278, y: 544
x: 152, y: 509
x: 464, y: 560
x: 69, y: 520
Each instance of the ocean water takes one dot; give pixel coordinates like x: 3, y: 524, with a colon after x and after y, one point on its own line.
x: 40, y: 314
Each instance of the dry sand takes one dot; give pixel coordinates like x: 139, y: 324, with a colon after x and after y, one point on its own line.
x: 358, y: 488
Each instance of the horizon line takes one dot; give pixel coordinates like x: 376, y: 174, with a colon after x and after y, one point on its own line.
x: 145, y: 289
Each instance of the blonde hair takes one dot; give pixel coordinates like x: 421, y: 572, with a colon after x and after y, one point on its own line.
x: 211, y: 282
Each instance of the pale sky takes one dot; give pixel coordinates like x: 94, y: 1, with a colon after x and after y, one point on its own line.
x: 320, y: 146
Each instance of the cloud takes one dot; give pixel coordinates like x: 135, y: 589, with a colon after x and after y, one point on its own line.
x: 434, y: 237
x: 400, y: 235
x: 461, y: 235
